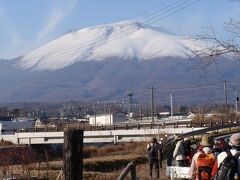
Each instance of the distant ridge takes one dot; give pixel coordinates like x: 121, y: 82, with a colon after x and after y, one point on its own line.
x: 103, y: 62
x: 122, y: 40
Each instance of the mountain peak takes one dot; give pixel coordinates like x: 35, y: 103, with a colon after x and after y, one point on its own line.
x: 112, y: 28
x: 121, y: 40
x: 120, y: 25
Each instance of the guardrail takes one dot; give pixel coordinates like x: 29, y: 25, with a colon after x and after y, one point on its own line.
x: 205, y: 130
x: 137, y: 125
x: 215, y: 128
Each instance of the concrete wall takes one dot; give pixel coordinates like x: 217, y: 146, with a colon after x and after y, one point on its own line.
x: 113, y: 136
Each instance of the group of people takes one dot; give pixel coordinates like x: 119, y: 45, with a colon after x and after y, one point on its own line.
x: 208, y: 160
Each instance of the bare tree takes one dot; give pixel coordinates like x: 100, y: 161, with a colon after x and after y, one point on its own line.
x: 216, y: 46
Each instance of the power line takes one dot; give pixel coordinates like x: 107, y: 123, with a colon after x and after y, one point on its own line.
x: 189, y: 88
x: 174, y: 12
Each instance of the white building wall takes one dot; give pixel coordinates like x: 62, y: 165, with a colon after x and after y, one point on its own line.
x: 105, y: 119
x: 108, y: 119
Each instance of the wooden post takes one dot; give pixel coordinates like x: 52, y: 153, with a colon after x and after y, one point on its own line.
x: 133, y: 171
x: 131, y: 166
x: 72, y: 155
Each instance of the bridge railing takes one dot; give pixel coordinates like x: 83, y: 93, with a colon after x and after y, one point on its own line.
x: 136, y: 125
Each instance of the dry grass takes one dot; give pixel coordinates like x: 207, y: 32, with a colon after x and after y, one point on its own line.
x: 119, y: 149
x: 141, y: 169
x: 5, y: 143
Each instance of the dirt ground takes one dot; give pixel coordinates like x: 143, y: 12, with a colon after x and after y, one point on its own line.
x: 142, y: 172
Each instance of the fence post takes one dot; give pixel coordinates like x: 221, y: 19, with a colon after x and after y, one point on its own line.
x: 72, y: 154
x: 133, y: 171
x: 132, y: 166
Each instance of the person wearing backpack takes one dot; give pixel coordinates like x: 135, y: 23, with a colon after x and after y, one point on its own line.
x: 189, y: 151
x: 179, y: 152
x: 227, y: 165
x: 203, y: 161
x: 154, y: 151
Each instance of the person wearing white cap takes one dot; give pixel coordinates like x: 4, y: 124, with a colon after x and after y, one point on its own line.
x: 234, y: 142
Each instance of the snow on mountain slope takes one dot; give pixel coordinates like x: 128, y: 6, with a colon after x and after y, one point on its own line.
x: 123, y: 40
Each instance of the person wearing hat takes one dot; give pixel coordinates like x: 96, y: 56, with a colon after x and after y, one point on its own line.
x: 234, y: 142
x: 179, y: 152
x: 207, y: 147
x: 154, y: 150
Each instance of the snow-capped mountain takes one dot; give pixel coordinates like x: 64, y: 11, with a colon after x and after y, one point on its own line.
x: 103, y: 62
x: 123, y: 40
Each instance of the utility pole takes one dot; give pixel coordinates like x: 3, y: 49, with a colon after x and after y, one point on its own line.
x: 141, y: 112
x: 152, y: 102
x: 171, y: 103
x: 110, y: 114
x: 130, y: 95
x: 147, y: 110
x: 225, y: 93
x: 95, y: 114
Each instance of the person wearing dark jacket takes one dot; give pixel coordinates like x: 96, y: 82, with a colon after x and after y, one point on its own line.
x: 154, y: 150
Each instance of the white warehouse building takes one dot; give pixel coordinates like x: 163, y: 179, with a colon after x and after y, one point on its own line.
x: 108, y: 119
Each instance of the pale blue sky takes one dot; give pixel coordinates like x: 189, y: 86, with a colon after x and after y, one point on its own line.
x: 28, y: 24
